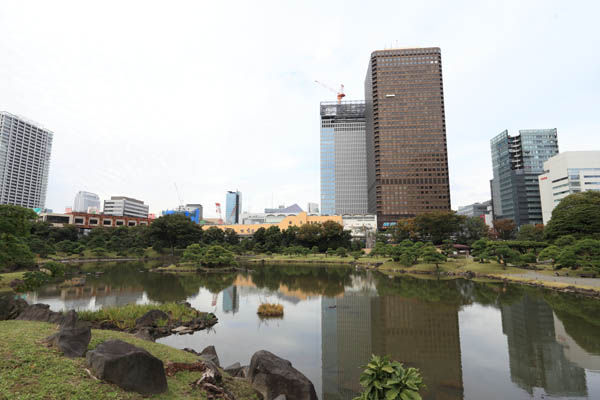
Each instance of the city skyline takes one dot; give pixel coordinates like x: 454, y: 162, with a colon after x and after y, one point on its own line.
x: 142, y: 100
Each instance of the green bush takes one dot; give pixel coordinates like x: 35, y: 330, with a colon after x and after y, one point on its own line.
x: 99, y: 252
x: 194, y: 253
x: 216, y: 255
x: 33, y: 280
x: 57, y: 270
x: 389, y: 380
x: 341, y: 251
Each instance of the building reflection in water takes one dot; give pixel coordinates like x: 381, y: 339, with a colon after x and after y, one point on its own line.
x: 89, y: 296
x: 418, y: 333
x: 536, y: 359
x: 231, y: 300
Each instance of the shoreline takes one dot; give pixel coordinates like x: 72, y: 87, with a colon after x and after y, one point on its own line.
x: 464, y: 274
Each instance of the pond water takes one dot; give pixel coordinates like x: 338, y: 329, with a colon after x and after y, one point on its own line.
x: 470, y: 340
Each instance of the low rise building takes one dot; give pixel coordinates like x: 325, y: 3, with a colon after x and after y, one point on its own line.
x: 361, y: 226
x: 475, y: 209
x: 567, y: 173
x: 86, y: 202
x: 121, y: 206
x: 290, y: 220
x: 85, y: 221
x: 192, y: 211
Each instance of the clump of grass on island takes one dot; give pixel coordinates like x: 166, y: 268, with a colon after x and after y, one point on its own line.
x: 270, y: 310
x: 124, y: 316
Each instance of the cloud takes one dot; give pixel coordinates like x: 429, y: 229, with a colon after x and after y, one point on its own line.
x: 220, y: 96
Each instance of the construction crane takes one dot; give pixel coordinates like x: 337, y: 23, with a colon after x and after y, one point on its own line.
x: 340, y: 92
x: 178, y: 195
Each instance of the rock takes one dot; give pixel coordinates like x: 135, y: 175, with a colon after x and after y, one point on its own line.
x: 73, y: 337
x: 233, y: 369
x: 145, y: 334
x: 215, y: 371
x: 273, y: 376
x: 210, y: 353
x: 10, y: 307
x: 127, y: 366
x: 179, y: 329
x: 150, y: 318
x: 42, y: 313
x: 281, y: 397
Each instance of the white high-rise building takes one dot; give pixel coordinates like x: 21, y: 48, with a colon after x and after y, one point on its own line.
x: 25, y: 149
x: 312, y: 208
x: 567, y: 173
x: 343, y: 158
x: 86, y: 201
x: 122, y: 206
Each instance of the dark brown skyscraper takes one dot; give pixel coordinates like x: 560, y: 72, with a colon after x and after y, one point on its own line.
x: 407, y: 157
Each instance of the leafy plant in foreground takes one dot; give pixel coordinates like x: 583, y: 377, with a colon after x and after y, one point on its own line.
x: 389, y: 380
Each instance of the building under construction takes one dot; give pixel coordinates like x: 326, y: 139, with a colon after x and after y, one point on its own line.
x: 343, y: 158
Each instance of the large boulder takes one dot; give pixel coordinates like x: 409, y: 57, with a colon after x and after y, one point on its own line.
x: 127, y: 366
x: 42, y: 313
x: 210, y: 354
x: 150, y: 318
x: 73, y: 337
x: 273, y: 376
x: 11, y: 307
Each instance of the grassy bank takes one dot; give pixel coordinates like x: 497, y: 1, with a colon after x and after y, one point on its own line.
x: 32, y: 371
x: 315, y: 258
x: 124, y: 316
x: 6, y: 278
x: 89, y: 254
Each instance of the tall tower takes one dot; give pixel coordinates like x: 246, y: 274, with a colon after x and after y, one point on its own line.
x: 517, y: 161
x: 407, y: 156
x: 25, y: 149
x: 343, y: 158
x: 233, y: 207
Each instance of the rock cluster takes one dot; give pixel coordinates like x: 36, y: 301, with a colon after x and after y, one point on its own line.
x: 127, y: 366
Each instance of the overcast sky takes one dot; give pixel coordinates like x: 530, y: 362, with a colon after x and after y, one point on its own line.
x: 217, y: 96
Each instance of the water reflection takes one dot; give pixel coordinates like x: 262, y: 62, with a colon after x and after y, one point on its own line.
x: 543, y: 343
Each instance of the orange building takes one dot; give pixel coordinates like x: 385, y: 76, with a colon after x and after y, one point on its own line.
x: 291, y: 220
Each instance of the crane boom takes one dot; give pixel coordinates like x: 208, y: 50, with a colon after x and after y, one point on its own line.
x: 340, y: 92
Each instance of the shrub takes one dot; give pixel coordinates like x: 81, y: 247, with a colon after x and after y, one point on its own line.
x: 33, y: 280
x: 194, y: 253
x: 216, y: 255
x: 56, y: 269
x: 356, y: 254
x: 341, y: 251
x: 270, y: 310
x: 383, y: 379
x: 99, y: 252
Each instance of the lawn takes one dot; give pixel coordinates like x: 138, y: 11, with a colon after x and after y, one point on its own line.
x: 32, y: 371
x: 6, y: 278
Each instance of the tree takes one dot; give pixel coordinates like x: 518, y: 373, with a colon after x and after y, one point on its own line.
x: 330, y: 252
x: 356, y: 254
x: 314, y: 250
x: 194, y: 253
x: 588, y: 253
x: 216, y: 255
x: 471, y: 230
x: 567, y: 258
x: 16, y: 220
x: 550, y: 253
x: 530, y: 232
x: 577, y: 214
x: 404, y: 229
x: 341, y: 252
x: 14, y: 253
x: 479, y: 249
x: 176, y: 230
x: 436, y: 226
x: 505, y: 228
x: 231, y: 237
x: 431, y: 255
x: 566, y: 240
x: 212, y: 235
x: 310, y: 235
x: 505, y: 255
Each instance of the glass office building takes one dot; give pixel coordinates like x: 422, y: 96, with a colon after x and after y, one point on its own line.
x: 233, y: 207
x: 407, y: 156
x: 517, y: 161
x: 343, y: 158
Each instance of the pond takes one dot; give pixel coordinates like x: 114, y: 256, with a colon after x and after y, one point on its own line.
x: 470, y: 340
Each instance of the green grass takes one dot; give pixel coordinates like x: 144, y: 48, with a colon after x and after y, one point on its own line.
x: 6, y: 278
x: 30, y: 370
x: 317, y: 258
x: 124, y: 316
